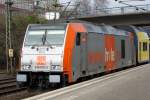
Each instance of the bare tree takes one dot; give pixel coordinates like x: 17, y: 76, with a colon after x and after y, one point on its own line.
x: 100, y: 3
x: 89, y: 7
x: 99, y: 6
x: 85, y: 5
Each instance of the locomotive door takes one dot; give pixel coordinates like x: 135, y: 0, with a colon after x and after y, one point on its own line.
x: 83, y: 53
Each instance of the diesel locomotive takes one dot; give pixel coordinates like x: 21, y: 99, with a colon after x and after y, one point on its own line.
x: 65, y: 52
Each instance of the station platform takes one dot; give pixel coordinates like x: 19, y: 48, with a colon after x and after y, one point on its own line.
x: 130, y: 84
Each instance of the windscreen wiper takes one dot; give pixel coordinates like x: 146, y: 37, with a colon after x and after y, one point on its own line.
x: 47, y: 40
x: 43, y: 39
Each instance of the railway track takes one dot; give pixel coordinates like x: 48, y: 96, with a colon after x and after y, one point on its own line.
x: 8, y: 86
x: 10, y: 91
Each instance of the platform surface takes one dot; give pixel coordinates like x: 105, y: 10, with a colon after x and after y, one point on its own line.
x: 130, y: 84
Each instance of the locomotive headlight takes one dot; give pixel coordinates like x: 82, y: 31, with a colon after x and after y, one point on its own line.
x: 56, y: 67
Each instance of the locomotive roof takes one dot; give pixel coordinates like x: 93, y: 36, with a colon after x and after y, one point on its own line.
x: 134, y: 29
x: 105, y: 29
x: 130, y: 28
x: 101, y: 28
x: 91, y: 28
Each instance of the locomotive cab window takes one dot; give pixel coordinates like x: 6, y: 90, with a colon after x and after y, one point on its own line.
x: 78, y: 40
x: 144, y: 46
x: 122, y: 49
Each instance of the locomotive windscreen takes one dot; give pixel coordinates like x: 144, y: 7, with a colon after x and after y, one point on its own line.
x: 47, y: 35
